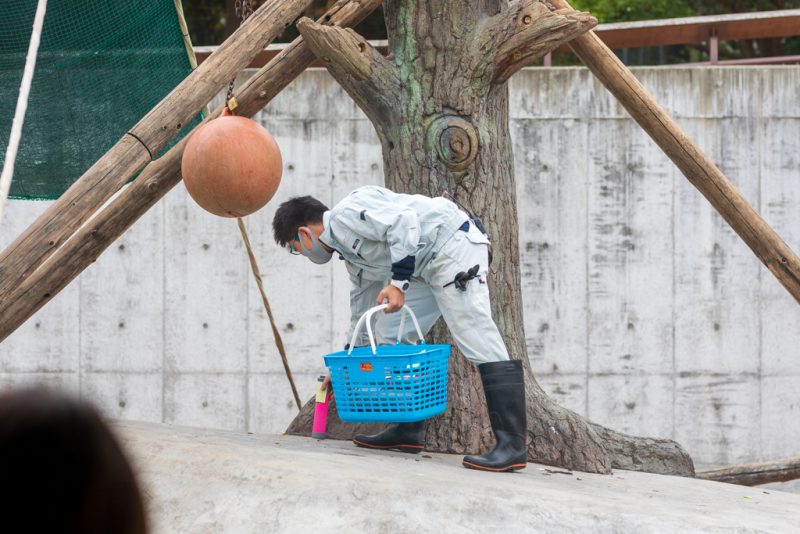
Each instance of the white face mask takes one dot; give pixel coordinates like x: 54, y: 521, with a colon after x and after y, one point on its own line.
x: 317, y: 252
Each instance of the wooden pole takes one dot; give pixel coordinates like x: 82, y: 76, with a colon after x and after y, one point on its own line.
x: 22, y: 105
x: 187, y: 39
x: 689, y: 158
x: 156, y: 180
x: 142, y: 142
x: 265, y: 301
x: 756, y: 474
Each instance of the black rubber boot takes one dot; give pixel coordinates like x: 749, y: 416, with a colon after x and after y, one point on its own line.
x: 504, y: 388
x: 406, y: 437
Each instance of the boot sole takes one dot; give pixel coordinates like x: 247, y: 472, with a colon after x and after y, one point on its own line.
x: 512, y: 467
x: 413, y: 449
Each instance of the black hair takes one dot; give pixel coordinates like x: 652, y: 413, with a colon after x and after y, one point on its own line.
x: 294, y: 213
x: 62, y: 468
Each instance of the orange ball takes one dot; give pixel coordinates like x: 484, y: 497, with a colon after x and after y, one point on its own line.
x: 231, y: 166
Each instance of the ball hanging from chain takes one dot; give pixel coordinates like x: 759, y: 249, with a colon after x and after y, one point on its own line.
x: 231, y: 166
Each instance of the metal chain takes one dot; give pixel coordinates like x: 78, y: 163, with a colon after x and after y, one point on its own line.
x: 244, y: 8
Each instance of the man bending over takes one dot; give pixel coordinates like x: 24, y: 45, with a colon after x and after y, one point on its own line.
x: 427, y: 253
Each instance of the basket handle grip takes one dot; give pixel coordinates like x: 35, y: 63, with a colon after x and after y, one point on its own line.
x: 368, y: 316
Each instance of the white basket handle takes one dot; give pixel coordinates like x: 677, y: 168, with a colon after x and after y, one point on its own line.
x: 368, y: 315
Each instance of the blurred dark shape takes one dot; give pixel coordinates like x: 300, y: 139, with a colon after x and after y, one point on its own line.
x: 61, y: 469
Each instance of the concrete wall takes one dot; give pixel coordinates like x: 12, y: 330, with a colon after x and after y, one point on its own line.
x: 643, y: 310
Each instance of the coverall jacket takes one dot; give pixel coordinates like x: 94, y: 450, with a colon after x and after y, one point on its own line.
x: 381, y: 234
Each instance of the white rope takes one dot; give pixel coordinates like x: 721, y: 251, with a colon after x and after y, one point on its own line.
x: 22, y: 105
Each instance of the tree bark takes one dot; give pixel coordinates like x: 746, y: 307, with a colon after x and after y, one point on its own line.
x: 447, y: 131
x: 533, y: 31
x: 756, y: 474
x: 141, y: 143
x: 156, y: 180
x: 765, y: 243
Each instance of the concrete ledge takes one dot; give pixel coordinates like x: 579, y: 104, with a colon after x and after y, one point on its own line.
x: 223, y: 482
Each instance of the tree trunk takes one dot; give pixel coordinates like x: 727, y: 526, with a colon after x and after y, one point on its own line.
x: 439, y: 103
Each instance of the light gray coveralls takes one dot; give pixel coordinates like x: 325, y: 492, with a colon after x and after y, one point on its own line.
x: 373, y: 228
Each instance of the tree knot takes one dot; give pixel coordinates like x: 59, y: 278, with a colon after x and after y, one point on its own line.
x: 453, y: 139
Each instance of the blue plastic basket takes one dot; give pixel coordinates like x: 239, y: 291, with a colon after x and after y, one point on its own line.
x: 389, y: 383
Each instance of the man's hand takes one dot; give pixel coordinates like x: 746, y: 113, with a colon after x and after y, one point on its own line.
x: 393, y: 296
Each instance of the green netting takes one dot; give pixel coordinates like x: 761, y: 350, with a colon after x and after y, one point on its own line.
x: 102, y: 65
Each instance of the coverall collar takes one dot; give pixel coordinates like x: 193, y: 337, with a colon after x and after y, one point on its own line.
x: 325, y: 236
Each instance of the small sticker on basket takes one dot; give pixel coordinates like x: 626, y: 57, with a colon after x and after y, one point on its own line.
x: 366, y: 366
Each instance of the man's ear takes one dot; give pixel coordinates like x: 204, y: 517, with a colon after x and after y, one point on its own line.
x: 305, y: 233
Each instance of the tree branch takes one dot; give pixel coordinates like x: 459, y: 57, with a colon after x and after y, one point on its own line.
x: 527, y: 30
x: 368, y: 77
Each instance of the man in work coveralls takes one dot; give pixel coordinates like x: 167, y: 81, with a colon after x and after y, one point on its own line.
x: 427, y: 253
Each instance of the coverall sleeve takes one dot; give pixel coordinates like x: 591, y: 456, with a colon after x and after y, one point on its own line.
x: 373, y: 216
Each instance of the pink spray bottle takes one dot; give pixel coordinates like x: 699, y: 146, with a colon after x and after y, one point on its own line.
x: 320, y: 411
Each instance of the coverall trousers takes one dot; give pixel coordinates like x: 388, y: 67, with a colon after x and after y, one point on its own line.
x: 467, y: 313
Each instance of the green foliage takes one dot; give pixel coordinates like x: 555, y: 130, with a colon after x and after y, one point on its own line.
x: 626, y: 10
x: 718, y: 7
x: 205, y: 20
x: 608, y: 11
